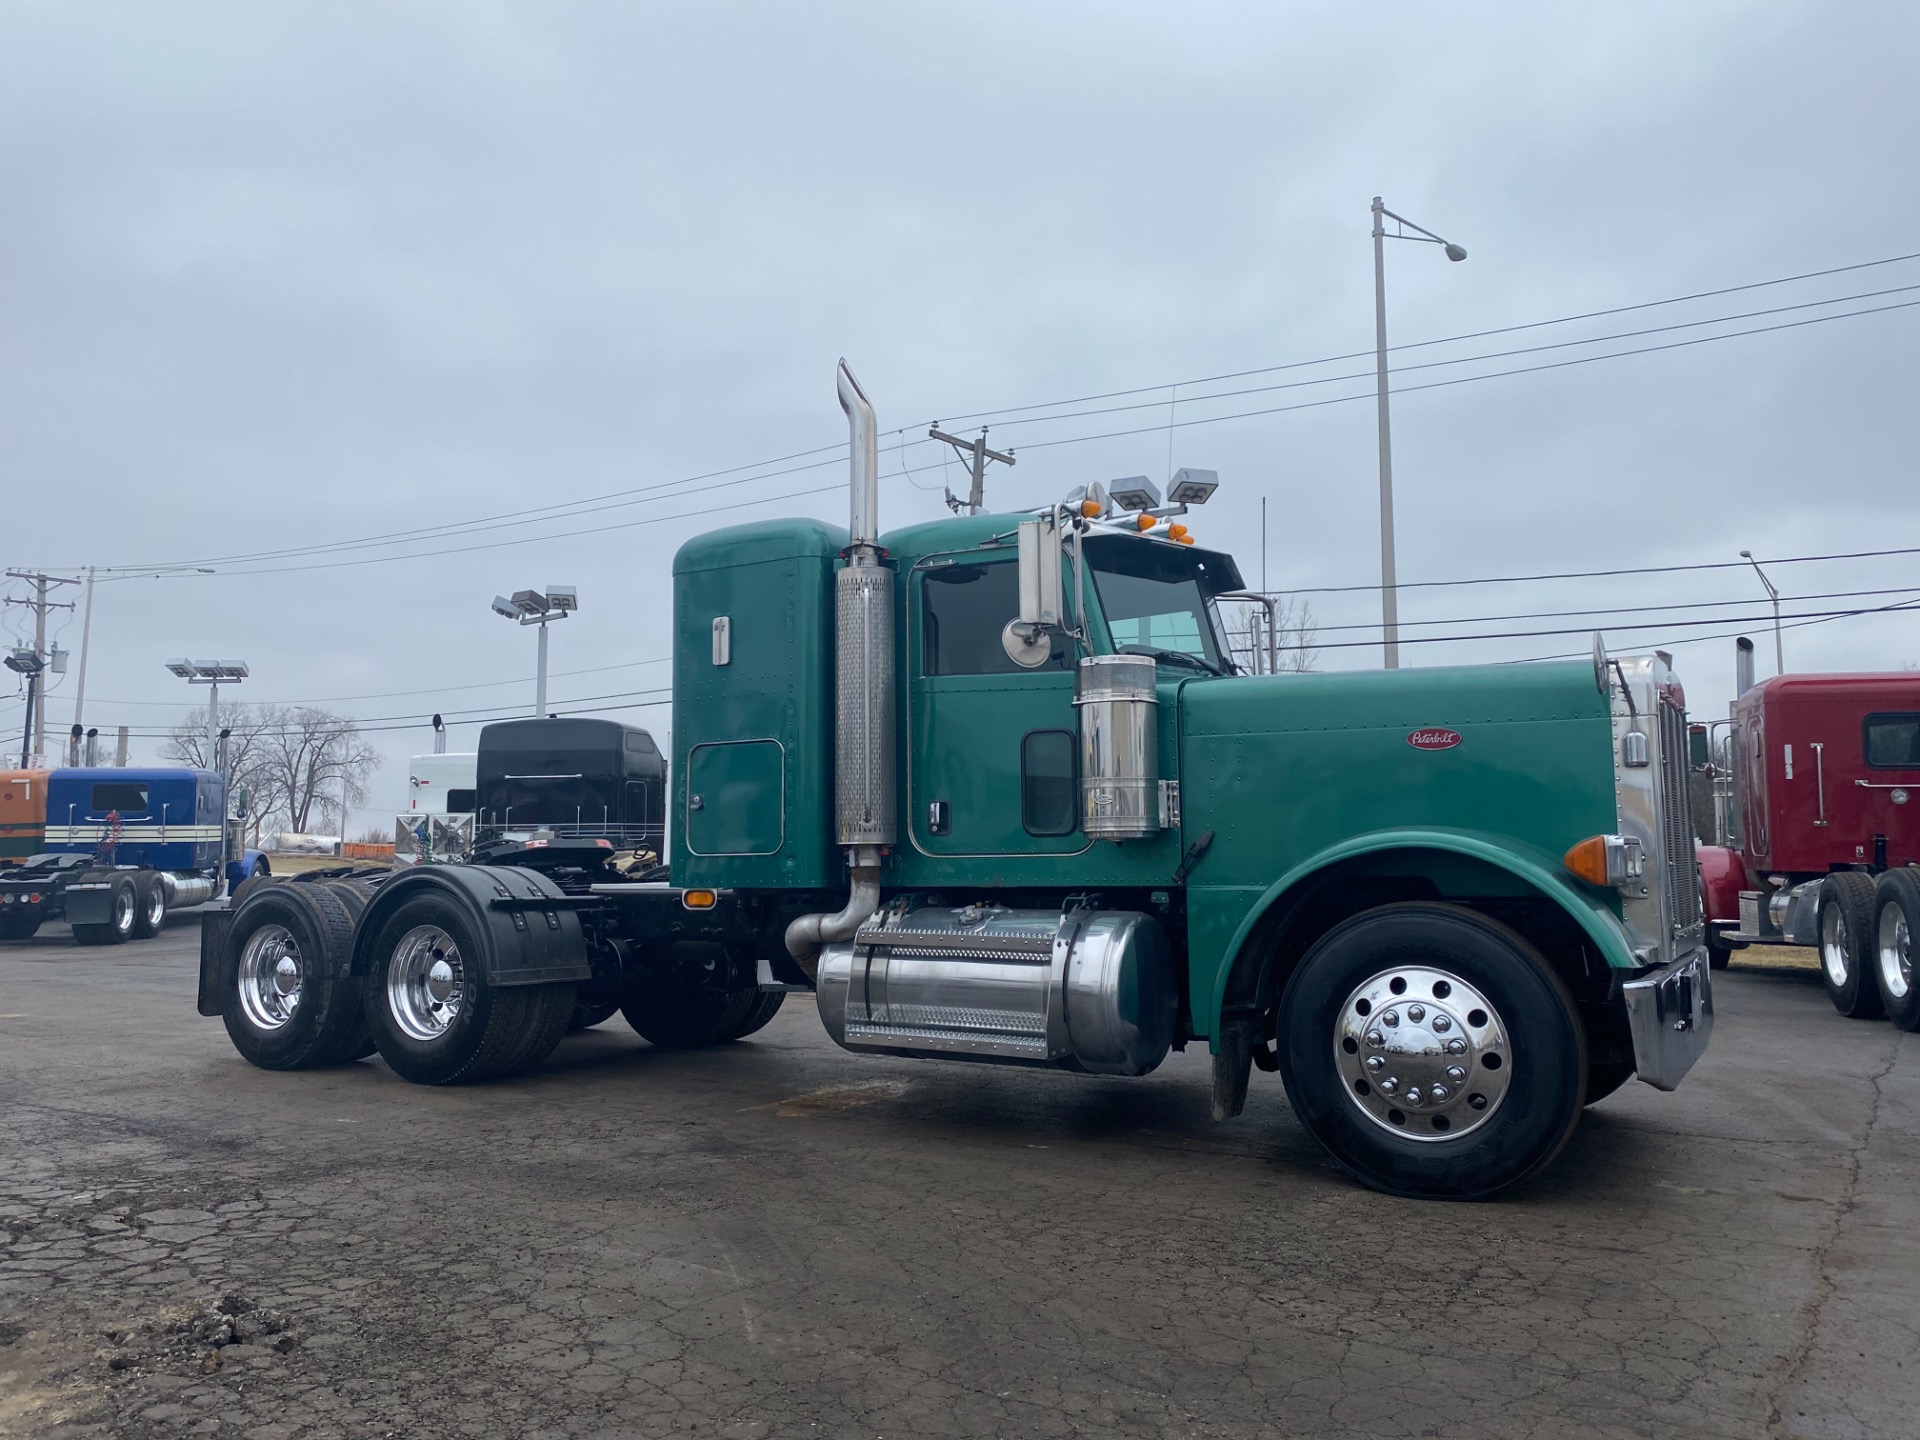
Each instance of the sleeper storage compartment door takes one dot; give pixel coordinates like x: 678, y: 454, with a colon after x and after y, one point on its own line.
x: 736, y: 798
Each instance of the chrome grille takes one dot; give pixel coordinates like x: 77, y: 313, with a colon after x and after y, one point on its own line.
x: 1676, y: 822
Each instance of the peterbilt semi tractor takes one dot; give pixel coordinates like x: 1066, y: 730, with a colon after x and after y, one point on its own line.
x: 115, y: 848
x: 1822, y: 844
x: 991, y: 789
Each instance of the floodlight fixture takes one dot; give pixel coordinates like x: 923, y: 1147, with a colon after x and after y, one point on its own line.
x: 529, y: 602
x: 1136, y: 492
x: 504, y: 606
x: 1193, y: 487
x: 532, y: 607
x: 562, y: 597
x: 185, y: 669
x: 25, y: 662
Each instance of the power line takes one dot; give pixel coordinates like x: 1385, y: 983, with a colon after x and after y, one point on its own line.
x: 1443, y: 340
x: 670, y: 489
x: 1618, y: 609
x: 1469, y: 379
x: 1648, y: 625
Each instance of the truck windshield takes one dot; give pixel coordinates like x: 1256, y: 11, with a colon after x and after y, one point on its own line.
x: 1157, y: 601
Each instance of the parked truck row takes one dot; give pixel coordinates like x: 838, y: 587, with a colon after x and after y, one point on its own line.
x: 992, y: 789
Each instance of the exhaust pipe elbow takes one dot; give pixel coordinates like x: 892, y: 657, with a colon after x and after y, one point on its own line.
x: 864, y: 459
x: 808, y: 933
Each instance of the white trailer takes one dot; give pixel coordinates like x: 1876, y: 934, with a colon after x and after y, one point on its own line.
x: 441, y: 784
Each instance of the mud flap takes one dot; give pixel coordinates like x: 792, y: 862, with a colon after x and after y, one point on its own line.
x: 215, y: 975
x: 1232, y: 1067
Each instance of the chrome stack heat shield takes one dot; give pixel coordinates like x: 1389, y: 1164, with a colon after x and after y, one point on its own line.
x: 1119, y: 769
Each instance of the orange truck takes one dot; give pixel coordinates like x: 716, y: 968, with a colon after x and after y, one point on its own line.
x: 23, y: 813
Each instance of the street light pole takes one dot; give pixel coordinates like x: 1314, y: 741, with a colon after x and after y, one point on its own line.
x: 1389, y: 578
x: 532, y: 607
x: 1779, y: 653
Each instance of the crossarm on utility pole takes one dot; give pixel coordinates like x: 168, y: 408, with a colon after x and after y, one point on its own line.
x: 976, y: 454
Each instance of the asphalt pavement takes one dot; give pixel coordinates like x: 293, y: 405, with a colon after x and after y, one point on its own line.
x: 778, y: 1239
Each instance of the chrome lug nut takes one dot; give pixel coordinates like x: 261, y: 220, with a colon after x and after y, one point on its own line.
x: 1456, y: 1075
x: 1390, y: 1019
x: 1416, y: 1013
x: 1376, y: 1039
x: 1390, y: 1085
x: 1413, y: 1095
x: 1440, y: 1094
x: 1456, y: 1046
x: 1441, y: 1024
x: 1376, y: 1063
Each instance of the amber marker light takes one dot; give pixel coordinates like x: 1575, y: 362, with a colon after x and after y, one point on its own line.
x: 1607, y: 860
x: 1178, y: 532
x: 698, y: 899
x: 1092, y: 509
x: 1145, y: 522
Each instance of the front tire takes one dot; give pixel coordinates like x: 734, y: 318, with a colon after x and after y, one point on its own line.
x: 21, y: 924
x: 1896, y: 927
x: 678, y: 999
x: 435, y: 1014
x: 1432, y: 1052
x: 1846, y: 944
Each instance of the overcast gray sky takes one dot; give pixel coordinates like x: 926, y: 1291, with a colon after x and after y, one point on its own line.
x: 280, y: 276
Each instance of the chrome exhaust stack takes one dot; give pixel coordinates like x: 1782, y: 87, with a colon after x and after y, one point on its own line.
x: 865, y: 784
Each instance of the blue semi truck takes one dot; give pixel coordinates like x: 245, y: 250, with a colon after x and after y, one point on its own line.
x: 123, y: 847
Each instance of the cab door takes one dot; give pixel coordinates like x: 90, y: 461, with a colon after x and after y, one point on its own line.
x: 992, y: 748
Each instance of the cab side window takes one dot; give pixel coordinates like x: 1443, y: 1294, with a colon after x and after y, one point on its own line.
x: 963, y: 610
x: 1893, y: 741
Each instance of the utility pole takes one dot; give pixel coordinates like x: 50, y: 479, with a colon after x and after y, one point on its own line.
x: 40, y: 605
x: 86, y: 635
x: 976, y: 454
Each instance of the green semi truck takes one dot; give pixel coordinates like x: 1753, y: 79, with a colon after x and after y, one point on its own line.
x: 993, y: 789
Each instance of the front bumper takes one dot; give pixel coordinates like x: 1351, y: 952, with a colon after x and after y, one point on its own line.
x: 1670, y: 1012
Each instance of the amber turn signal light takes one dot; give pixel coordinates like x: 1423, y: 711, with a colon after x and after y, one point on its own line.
x: 698, y: 899
x: 1605, y: 860
x: 1178, y: 532
x: 1092, y: 509
x: 1145, y: 522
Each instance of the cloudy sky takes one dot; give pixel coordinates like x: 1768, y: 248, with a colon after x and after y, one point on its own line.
x: 379, y: 310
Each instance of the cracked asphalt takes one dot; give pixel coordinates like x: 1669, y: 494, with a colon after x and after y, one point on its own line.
x: 778, y: 1239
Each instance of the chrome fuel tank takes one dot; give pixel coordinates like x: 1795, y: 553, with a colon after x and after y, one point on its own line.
x: 1089, y: 990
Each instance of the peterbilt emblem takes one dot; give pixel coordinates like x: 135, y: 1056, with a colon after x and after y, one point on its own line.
x: 1434, y: 739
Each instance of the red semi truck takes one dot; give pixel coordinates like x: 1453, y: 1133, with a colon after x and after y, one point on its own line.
x: 1821, y: 833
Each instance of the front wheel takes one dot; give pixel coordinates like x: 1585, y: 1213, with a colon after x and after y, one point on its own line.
x: 1432, y: 1052
x: 1846, y: 944
x: 680, y: 999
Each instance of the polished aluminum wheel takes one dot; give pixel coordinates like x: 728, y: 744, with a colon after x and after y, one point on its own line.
x: 1833, y: 946
x: 426, y: 982
x: 269, y: 976
x: 1896, y: 953
x: 1423, y: 1054
x: 123, y: 902
x: 156, y: 906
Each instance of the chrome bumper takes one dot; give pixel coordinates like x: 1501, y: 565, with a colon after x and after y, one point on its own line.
x: 1670, y: 1011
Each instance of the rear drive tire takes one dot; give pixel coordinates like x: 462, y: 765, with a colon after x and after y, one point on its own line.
x: 19, y: 924
x: 674, y: 1001
x: 290, y: 1003
x: 1481, y: 1059
x: 549, y: 1011
x: 436, y: 1016
x: 1846, y: 944
x: 118, y: 930
x: 150, y: 905
x: 760, y: 1014
x: 1718, y: 956
x: 1896, y: 926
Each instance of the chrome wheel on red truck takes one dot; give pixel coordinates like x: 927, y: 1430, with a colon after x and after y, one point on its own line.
x: 1432, y: 1052
x: 1897, y: 899
x: 1846, y: 944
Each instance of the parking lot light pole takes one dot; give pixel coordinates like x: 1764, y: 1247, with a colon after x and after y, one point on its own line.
x: 530, y: 607
x: 1779, y: 655
x: 1389, y: 580
x: 213, y: 674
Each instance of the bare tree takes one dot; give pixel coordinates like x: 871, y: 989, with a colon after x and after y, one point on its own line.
x: 1295, y: 631
x: 247, y: 754
x: 316, y: 759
